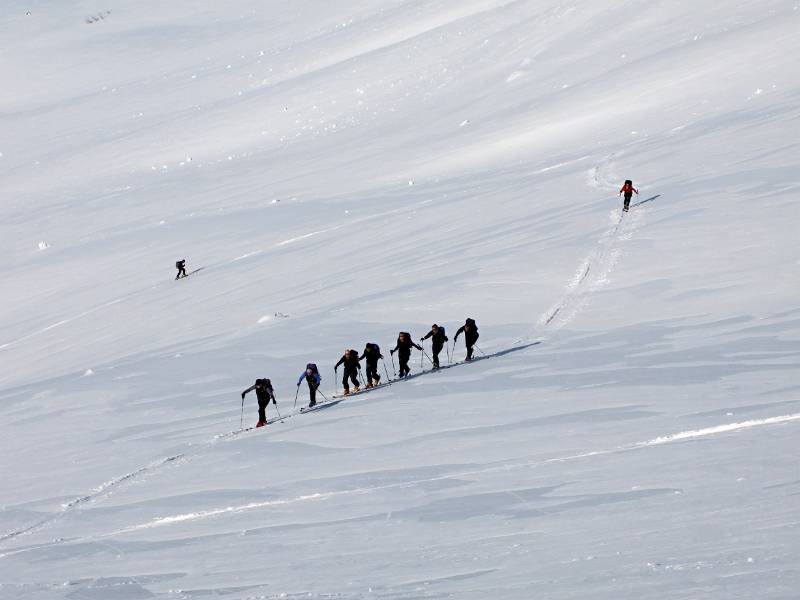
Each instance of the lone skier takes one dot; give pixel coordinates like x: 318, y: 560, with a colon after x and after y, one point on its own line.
x: 471, y: 335
x: 181, y: 266
x: 372, y: 354
x: 438, y: 342
x: 628, y: 189
x: 403, y: 349
x: 264, y: 393
x: 352, y: 366
x: 313, y: 379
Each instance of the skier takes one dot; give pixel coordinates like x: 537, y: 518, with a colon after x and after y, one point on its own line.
x: 471, y: 335
x: 352, y: 366
x: 372, y: 354
x: 439, y: 340
x: 264, y: 393
x: 403, y: 349
x: 181, y: 266
x: 313, y: 379
x: 628, y: 190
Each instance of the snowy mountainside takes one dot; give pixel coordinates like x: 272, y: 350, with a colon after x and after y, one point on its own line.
x: 335, y: 173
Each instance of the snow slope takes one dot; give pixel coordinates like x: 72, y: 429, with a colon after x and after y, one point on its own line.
x: 337, y: 172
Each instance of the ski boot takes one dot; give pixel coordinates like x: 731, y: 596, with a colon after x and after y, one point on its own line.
x: 260, y: 424
x: 356, y: 389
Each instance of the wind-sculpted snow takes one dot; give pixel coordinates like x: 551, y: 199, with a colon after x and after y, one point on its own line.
x: 688, y: 435
x: 336, y: 173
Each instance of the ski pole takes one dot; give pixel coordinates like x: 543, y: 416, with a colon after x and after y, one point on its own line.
x: 422, y: 356
x: 393, y: 368
x: 387, y: 371
x: 361, y: 377
x: 323, y: 395
x: 426, y: 356
x: 336, y: 380
x: 277, y: 411
x: 241, y: 420
x: 479, y: 350
x: 296, y: 394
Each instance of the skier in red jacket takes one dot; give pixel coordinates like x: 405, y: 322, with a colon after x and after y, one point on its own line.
x: 628, y: 190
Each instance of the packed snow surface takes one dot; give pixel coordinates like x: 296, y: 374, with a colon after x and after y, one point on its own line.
x: 336, y: 172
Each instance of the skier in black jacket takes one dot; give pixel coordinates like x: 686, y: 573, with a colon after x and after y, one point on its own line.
x: 471, y: 335
x: 181, y: 266
x: 351, y: 368
x: 403, y: 349
x: 438, y: 342
x: 264, y: 393
x: 372, y: 354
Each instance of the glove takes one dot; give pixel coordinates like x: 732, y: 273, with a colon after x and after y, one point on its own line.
x: 391, y: 351
x: 275, y: 402
x: 242, y: 395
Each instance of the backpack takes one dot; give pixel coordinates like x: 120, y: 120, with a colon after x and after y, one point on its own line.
x: 471, y: 323
x: 313, y: 367
x: 352, y: 354
x: 179, y: 264
x: 264, y: 383
x: 374, y: 348
x: 628, y: 182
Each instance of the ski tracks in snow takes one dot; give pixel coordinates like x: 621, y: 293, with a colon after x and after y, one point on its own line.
x: 98, y: 493
x: 103, y: 490
x: 593, y: 273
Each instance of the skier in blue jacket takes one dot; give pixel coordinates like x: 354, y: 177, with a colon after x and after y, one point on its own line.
x: 313, y: 379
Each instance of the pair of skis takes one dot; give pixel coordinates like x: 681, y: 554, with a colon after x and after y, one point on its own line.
x: 363, y: 390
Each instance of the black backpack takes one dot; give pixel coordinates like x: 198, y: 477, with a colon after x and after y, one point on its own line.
x: 471, y: 323
x: 628, y: 182
x: 179, y: 264
x: 313, y: 367
x: 374, y: 348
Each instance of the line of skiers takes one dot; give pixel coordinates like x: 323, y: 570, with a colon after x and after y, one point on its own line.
x: 351, y: 363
